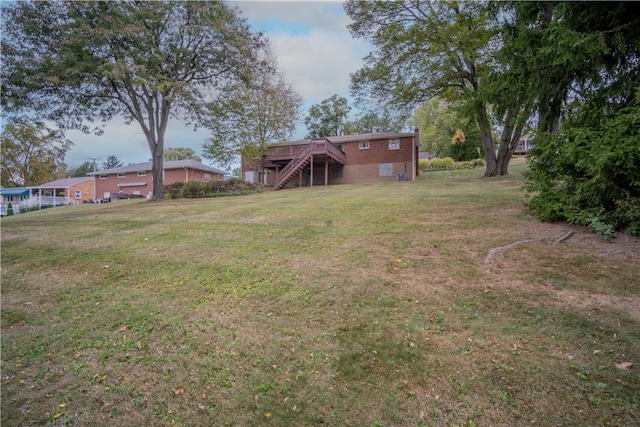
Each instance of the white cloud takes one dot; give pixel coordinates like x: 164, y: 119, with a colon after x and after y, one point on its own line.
x: 312, y: 43
x: 318, y: 64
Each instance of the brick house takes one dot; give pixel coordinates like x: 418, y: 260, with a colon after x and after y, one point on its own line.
x: 347, y: 159
x: 72, y: 190
x: 65, y: 191
x: 137, y: 180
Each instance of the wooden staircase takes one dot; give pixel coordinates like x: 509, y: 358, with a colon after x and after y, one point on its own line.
x: 322, y: 148
x: 294, y: 166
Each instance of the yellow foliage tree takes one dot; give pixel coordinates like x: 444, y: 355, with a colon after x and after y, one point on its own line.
x: 458, y: 137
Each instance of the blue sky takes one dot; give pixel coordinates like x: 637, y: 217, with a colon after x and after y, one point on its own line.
x: 315, y: 52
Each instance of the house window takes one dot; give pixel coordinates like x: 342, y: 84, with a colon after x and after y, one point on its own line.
x: 394, y: 144
x: 364, y: 145
x: 142, y: 173
x: 207, y: 176
x: 78, y: 194
x: 103, y: 176
x: 385, y: 169
x: 122, y: 175
x: 336, y: 172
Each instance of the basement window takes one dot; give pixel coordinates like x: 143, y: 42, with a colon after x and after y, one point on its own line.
x: 336, y: 172
x: 385, y: 169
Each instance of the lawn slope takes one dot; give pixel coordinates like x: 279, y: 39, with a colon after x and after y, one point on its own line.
x: 435, y: 302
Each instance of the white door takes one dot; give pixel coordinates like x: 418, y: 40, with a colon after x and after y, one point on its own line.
x: 107, y: 194
x: 249, y: 176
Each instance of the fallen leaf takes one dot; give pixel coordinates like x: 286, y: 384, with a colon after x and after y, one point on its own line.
x: 58, y: 415
x: 622, y: 382
x: 178, y: 391
x: 123, y: 328
x: 624, y: 366
x: 268, y: 414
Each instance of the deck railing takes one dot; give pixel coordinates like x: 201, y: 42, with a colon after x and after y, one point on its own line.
x: 315, y: 147
x: 294, y: 162
x: 35, y: 203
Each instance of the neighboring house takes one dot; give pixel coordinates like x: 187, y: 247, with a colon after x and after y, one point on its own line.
x: 347, y: 159
x: 524, y: 146
x: 14, y: 195
x: 66, y: 191
x: 137, y: 180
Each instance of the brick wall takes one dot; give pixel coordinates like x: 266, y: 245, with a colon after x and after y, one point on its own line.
x: 86, y: 191
x: 378, y: 152
x: 113, y: 184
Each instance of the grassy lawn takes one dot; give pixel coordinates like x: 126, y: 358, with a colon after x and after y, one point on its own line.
x: 360, y: 305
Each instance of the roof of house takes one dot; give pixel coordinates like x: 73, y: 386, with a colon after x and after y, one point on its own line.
x: 367, y: 136
x: 65, y: 182
x: 371, y: 136
x: 147, y: 166
x: 17, y: 191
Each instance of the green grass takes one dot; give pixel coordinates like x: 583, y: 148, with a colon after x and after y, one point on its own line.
x: 362, y: 305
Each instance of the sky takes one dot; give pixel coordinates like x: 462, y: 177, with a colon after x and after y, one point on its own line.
x: 315, y: 52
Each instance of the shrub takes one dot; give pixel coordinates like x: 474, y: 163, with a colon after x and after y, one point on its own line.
x: 173, y: 191
x: 199, y: 189
x: 436, y: 163
x: 447, y: 163
x: 589, y: 175
x: 463, y: 165
x: 9, y: 209
x: 479, y: 163
x: 423, y: 164
x: 194, y: 190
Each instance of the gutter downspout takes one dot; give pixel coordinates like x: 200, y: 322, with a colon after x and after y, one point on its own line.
x: 413, y: 156
x: 186, y: 174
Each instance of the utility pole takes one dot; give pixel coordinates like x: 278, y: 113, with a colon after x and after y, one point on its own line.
x: 94, y: 163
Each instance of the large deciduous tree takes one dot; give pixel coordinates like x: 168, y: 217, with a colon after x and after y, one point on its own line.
x: 374, y: 122
x: 82, y: 170
x: 252, y: 115
x: 329, y: 118
x: 426, y: 49
x: 31, y: 153
x: 438, y: 122
x: 181, y: 153
x: 78, y: 61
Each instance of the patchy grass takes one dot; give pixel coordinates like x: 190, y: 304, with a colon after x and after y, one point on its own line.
x: 363, y: 305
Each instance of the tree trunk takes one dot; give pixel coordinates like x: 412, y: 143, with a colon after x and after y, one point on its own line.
x: 487, y: 141
x: 158, y: 109
x: 157, y: 169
